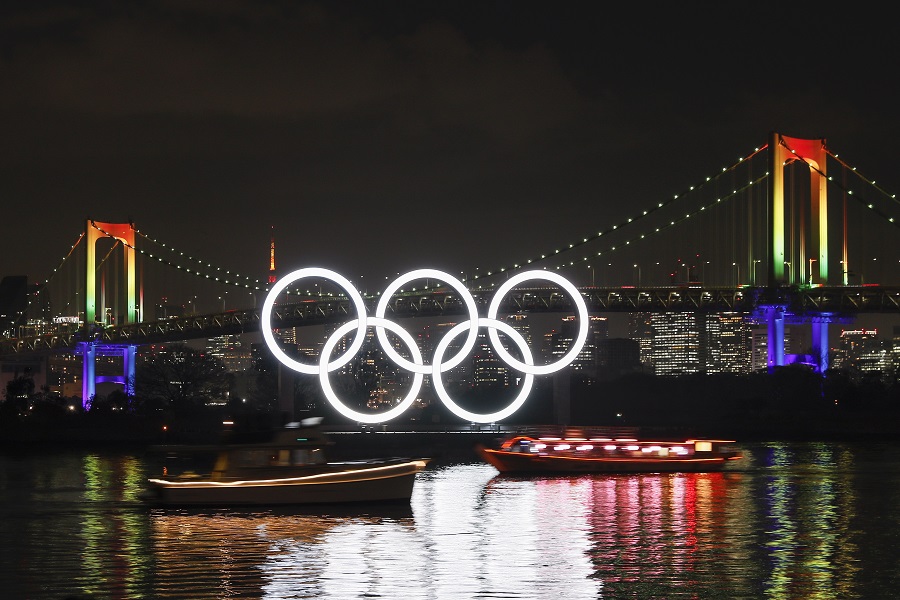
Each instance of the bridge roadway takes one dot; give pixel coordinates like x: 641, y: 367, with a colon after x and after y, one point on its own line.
x: 803, y: 303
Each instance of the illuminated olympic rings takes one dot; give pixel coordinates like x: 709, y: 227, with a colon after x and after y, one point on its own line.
x: 416, y: 365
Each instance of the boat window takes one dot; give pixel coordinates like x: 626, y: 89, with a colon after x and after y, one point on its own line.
x: 282, y: 458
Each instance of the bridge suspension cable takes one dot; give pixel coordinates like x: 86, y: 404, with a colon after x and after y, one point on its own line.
x: 630, y: 223
x: 44, y: 286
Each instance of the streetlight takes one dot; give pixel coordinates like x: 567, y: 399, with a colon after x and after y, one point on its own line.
x: 790, y: 273
x: 737, y: 277
x: 811, y: 261
x: 638, y: 267
x: 592, y: 274
x: 753, y: 275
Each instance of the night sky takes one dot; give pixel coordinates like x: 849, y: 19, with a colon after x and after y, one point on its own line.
x: 383, y: 136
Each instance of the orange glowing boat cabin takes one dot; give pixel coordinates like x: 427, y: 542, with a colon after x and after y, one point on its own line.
x: 288, y: 468
x: 607, y: 452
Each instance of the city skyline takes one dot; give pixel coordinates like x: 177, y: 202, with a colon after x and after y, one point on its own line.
x: 376, y: 138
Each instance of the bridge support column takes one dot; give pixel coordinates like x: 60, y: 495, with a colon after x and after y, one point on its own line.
x: 775, y: 338
x: 88, y: 383
x: 89, y: 378
x: 820, y: 342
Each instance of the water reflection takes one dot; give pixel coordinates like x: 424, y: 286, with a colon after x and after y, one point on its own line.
x: 490, y: 536
x: 810, y: 504
x: 277, y: 554
x: 793, y: 521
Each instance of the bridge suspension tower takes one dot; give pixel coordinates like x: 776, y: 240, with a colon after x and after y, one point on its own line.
x: 784, y: 150
x: 90, y: 350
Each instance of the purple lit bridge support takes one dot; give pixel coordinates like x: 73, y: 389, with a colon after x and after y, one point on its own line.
x: 89, y: 352
x: 775, y: 316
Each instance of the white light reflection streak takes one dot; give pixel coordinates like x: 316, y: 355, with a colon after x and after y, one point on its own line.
x: 509, y: 537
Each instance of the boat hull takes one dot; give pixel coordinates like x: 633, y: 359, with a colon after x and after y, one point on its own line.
x: 369, y: 484
x: 519, y: 462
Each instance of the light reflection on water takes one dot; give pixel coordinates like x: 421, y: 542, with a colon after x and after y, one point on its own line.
x: 791, y: 521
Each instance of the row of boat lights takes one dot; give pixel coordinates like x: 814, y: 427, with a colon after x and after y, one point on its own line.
x: 583, y: 445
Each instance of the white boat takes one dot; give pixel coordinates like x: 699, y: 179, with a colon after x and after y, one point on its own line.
x: 289, y: 468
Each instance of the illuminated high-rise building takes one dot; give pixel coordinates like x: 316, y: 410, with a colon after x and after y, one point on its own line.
x: 895, y: 350
x: 519, y: 322
x: 231, y: 351
x: 487, y: 368
x: 590, y: 356
x: 676, y: 343
x: 640, y: 328
x: 759, y: 349
x: 862, y: 352
x: 726, y: 343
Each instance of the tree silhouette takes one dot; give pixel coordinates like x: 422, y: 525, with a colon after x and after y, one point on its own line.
x: 182, y: 377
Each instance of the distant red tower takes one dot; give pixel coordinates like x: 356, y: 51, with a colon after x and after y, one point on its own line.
x: 272, y: 277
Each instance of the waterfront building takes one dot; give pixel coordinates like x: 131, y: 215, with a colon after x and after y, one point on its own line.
x: 590, y: 358
x: 676, y: 343
x: 520, y: 322
x: 861, y: 352
x: 487, y: 368
x: 231, y: 351
x: 640, y: 328
x: 726, y: 343
x: 759, y: 349
x: 895, y: 350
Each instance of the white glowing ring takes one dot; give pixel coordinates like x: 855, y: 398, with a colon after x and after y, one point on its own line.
x: 416, y: 366
x: 266, y: 318
x: 463, y: 293
x: 582, y: 322
x: 324, y: 367
x: 457, y: 410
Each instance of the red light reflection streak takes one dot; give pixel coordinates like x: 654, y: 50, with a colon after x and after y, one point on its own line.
x: 654, y: 526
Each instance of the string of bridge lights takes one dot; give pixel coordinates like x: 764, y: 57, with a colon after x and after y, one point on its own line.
x: 678, y: 220
x: 53, y: 273
x: 871, y: 182
x: 845, y: 189
x: 254, y: 285
x: 637, y: 219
